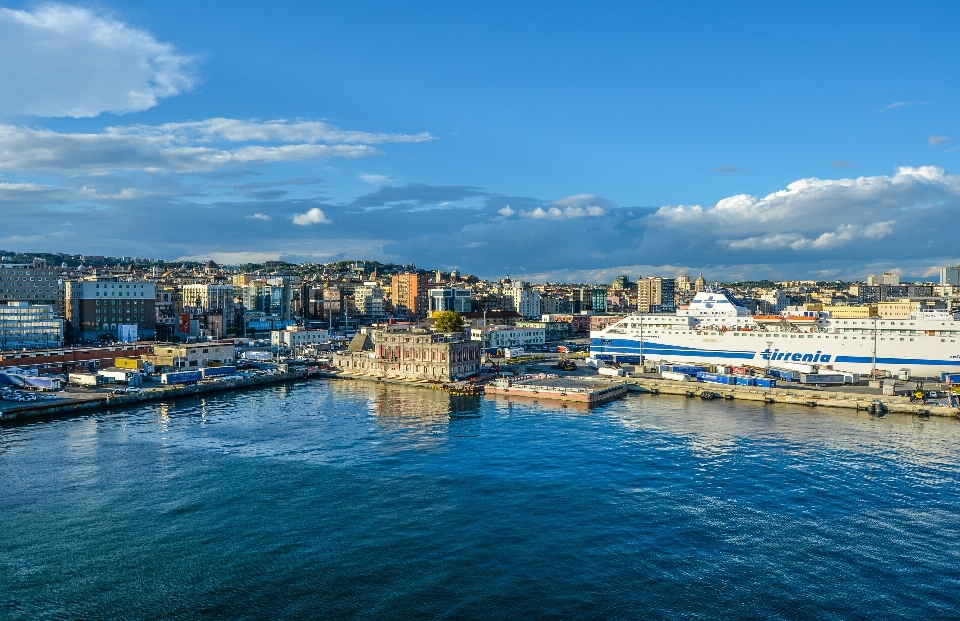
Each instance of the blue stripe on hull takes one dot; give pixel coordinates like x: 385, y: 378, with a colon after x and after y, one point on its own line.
x: 631, y: 347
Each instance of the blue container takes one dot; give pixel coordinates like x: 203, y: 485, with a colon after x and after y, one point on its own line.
x: 181, y: 377
x: 763, y: 382
x: 743, y: 380
x: 950, y: 378
x: 218, y: 371
x: 689, y: 369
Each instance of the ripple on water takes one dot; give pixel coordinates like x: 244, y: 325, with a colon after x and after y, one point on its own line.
x: 346, y: 499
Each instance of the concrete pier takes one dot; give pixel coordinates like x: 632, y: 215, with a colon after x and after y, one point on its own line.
x: 791, y: 396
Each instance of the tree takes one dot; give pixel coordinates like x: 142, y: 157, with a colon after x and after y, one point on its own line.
x: 449, y: 321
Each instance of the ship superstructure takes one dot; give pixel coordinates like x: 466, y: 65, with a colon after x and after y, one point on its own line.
x: 716, y: 328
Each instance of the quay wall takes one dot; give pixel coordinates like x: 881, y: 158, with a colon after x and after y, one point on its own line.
x: 786, y: 395
x: 53, y: 409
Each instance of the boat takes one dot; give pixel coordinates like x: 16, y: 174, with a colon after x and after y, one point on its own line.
x: 716, y: 328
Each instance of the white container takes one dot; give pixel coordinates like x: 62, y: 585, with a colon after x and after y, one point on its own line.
x: 673, y: 375
x: 904, y: 375
x: 610, y: 372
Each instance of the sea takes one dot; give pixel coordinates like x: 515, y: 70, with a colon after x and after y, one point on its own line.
x: 354, y: 500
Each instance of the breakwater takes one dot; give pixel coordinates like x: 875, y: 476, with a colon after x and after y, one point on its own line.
x: 65, y: 407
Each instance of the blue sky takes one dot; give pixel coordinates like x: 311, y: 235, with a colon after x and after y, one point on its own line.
x: 546, y: 140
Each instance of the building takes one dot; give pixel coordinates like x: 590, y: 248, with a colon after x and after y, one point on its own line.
x: 598, y: 300
x: 368, y: 300
x: 205, y: 297
x: 409, y: 295
x: 294, y: 336
x: 887, y: 278
x: 449, y: 299
x: 192, y: 355
x: 684, y: 283
x: 499, y: 337
x: 28, y: 282
x: 656, y: 295
x: 98, y: 305
x: 67, y: 359
x: 28, y: 326
x: 579, y: 324
x: 526, y: 300
x: 404, y: 353
x: 950, y: 276
x: 772, y: 302
x: 700, y: 284
x: 552, y: 330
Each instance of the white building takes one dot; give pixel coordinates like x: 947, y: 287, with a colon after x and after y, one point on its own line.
x: 508, y: 336
x: 368, y: 300
x: 775, y: 302
x: 210, y: 297
x: 294, y: 336
x: 524, y: 300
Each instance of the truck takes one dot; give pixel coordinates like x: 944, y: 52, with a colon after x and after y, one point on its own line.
x: 823, y: 379
x: 120, y: 376
x: 84, y: 379
x: 513, y: 352
x: 181, y: 377
x: 258, y: 355
x: 30, y: 381
x: 218, y: 371
x: 675, y: 376
x: 787, y: 375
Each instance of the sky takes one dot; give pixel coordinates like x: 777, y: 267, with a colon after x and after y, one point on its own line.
x: 549, y: 141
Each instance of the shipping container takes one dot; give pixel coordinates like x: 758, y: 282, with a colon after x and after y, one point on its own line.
x: 764, y: 382
x: 743, y: 380
x: 218, y: 371
x: 788, y: 375
x: 689, y: 369
x: 610, y: 372
x: 675, y: 376
x: 715, y: 378
x: 181, y: 377
x: 513, y: 352
x: 950, y: 378
x: 84, y: 379
x: 834, y: 379
x: 257, y: 355
x: 127, y: 363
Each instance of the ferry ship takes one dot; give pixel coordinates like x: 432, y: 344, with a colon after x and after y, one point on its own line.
x: 716, y: 328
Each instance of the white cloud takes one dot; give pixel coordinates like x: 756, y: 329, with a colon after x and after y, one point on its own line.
x: 570, y: 212
x: 506, y: 212
x: 277, y: 130
x: 376, y: 179
x: 258, y: 216
x: 314, y: 216
x: 25, y: 149
x: 61, y: 60
x: 810, y: 214
x: 937, y: 140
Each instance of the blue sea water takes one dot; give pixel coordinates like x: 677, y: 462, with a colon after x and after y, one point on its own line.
x: 330, y: 500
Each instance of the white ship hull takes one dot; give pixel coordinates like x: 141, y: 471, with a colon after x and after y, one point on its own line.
x: 925, y: 356
x: 716, y: 329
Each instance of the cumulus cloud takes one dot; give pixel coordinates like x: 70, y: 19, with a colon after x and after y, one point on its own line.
x: 60, y: 60
x: 259, y: 216
x: 569, y: 212
x: 314, y: 216
x: 937, y: 140
x: 506, y: 212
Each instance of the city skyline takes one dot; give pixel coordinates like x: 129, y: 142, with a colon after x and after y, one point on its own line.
x: 638, y: 140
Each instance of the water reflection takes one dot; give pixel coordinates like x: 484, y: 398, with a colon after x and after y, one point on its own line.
x: 718, y: 429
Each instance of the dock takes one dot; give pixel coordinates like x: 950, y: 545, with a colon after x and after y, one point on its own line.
x: 789, y: 395
x: 587, y: 391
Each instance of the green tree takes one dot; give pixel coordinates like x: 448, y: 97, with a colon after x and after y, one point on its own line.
x: 449, y: 321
